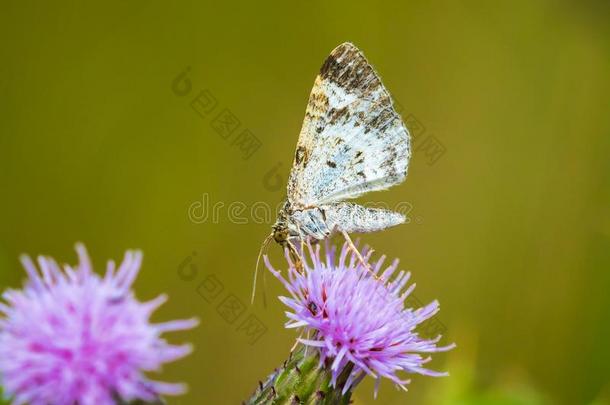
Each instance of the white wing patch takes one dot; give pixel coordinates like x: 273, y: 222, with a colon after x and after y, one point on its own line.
x: 352, y: 140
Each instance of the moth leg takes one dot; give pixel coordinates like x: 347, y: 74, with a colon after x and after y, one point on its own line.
x: 299, y: 260
x: 295, y: 257
x: 359, y: 256
x: 301, y: 238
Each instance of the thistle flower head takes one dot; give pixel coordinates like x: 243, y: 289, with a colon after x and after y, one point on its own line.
x: 357, y: 319
x: 71, y: 336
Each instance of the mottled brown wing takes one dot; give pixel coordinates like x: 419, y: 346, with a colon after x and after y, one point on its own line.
x: 352, y: 140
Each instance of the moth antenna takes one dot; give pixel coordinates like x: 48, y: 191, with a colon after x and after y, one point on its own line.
x: 258, y: 260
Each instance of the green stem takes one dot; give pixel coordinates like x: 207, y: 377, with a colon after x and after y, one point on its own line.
x: 301, y: 380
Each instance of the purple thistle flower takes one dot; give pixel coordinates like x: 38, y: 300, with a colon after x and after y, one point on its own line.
x: 358, y: 320
x: 71, y: 336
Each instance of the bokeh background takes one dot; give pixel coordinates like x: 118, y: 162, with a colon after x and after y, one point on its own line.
x: 508, y: 192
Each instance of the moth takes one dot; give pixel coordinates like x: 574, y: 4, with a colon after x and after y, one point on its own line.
x: 352, y: 142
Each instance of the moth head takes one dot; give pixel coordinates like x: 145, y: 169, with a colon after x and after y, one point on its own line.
x: 280, y: 233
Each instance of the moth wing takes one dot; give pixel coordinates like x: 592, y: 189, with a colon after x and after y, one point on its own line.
x: 349, y: 217
x: 352, y: 140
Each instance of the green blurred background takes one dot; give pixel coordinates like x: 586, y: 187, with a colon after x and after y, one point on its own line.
x: 508, y: 190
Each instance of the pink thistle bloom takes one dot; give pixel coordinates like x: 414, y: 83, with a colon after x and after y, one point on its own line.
x: 355, y: 319
x: 71, y: 336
